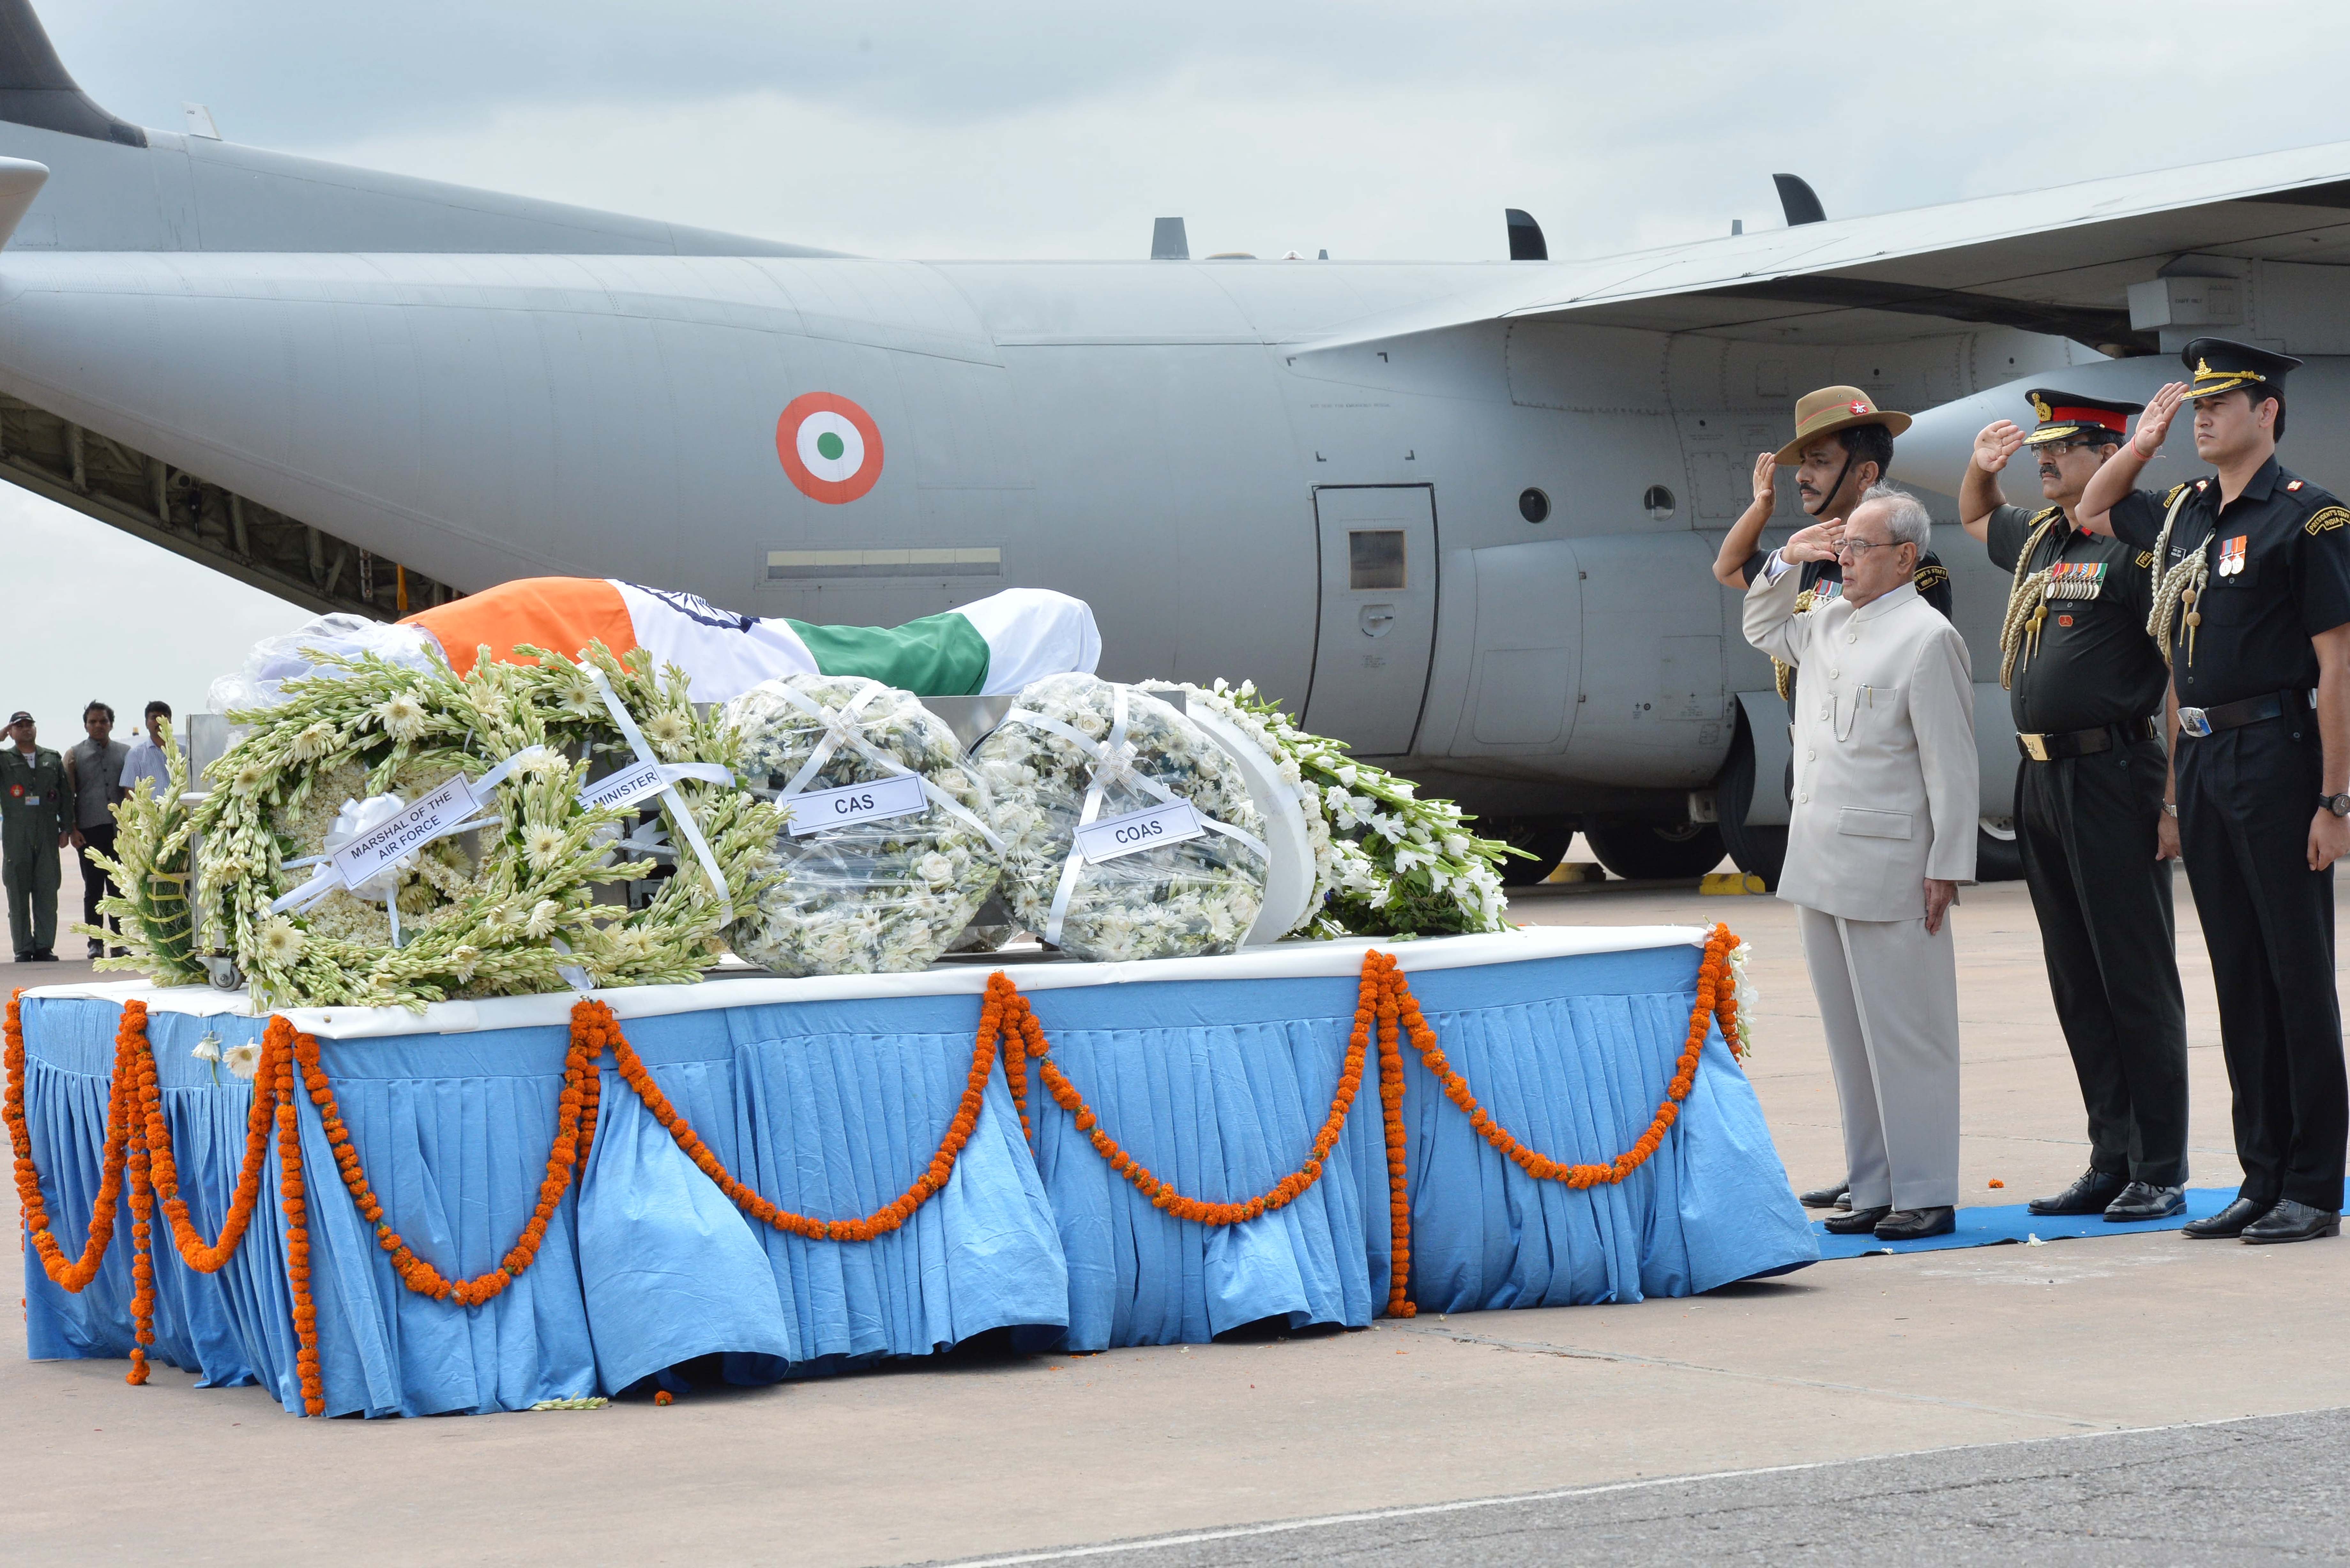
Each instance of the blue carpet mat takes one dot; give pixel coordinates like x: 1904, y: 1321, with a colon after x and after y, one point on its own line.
x: 1993, y: 1226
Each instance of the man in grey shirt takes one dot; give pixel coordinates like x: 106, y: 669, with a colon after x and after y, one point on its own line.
x: 94, y: 780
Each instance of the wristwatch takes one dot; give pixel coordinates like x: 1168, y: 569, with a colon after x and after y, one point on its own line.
x: 2339, y: 804
x: 2170, y: 808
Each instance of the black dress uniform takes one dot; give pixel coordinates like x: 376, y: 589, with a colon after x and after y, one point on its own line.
x: 2247, y: 765
x: 2084, y: 681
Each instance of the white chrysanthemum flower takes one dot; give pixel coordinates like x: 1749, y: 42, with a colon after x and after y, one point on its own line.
x: 249, y: 778
x: 207, y: 1049
x: 314, y: 742
x: 935, y: 869
x: 243, y: 1059
x: 669, y: 730
x: 542, y: 844
x: 544, y: 917
x: 281, y: 941
x: 578, y: 696
x: 402, y: 717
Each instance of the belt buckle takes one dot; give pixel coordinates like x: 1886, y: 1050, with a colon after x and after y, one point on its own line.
x: 2194, y: 722
x: 2035, y: 747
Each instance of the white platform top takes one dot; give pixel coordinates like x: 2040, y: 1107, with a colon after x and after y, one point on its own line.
x: 1285, y: 960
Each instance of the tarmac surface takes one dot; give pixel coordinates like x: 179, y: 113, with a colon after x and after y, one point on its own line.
x: 1945, y: 1406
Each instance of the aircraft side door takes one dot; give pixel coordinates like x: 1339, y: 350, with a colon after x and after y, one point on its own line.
x: 1377, y: 626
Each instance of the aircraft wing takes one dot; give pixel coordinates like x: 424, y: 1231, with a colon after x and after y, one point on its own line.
x: 2056, y: 261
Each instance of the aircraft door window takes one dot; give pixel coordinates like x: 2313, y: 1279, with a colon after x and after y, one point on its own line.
x: 1375, y: 560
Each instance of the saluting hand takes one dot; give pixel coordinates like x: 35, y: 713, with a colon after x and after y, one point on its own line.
x: 1816, y: 543
x: 1996, y: 443
x: 1766, y: 479
x: 2155, y: 423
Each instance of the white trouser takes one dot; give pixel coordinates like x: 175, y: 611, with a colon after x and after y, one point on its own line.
x: 1888, y: 996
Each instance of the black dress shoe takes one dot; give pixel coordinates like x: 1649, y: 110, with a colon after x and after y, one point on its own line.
x: 2089, y: 1195
x: 2227, y: 1224
x: 1857, y: 1221
x: 2291, y: 1222
x: 1836, y: 1197
x: 1917, y: 1224
x: 2142, y: 1201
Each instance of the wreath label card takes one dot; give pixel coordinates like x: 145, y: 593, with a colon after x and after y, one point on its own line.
x: 875, y: 800
x: 1138, y: 830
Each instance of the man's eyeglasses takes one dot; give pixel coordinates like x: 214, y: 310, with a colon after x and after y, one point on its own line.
x: 1855, y: 546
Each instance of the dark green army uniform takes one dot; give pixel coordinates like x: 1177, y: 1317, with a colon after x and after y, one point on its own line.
x: 32, y: 814
x: 2260, y: 578
x: 2084, y: 682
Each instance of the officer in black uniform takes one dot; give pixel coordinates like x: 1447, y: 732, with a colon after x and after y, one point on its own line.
x: 2252, y: 607
x: 2085, y: 683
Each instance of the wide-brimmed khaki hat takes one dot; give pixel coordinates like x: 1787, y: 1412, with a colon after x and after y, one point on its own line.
x: 1832, y: 408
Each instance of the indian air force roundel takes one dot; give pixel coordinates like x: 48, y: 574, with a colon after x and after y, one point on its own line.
x: 831, y: 448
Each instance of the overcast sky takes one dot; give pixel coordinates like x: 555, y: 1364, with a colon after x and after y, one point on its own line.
x: 1019, y: 128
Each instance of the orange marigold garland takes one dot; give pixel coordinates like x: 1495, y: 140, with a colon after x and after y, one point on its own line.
x: 75, y: 1275
x: 879, y: 1223
x: 1012, y: 1013
x: 137, y: 1141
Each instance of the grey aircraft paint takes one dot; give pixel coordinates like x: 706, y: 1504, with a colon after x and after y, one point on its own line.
x: 1313, y: 474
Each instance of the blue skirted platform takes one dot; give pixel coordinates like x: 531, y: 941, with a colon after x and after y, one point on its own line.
x: 829, y: 1096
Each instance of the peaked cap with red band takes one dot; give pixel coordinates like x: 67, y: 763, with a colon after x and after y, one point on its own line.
x: 2066, y: 414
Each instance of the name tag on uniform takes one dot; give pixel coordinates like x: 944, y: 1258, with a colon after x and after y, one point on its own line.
x: 2077, y: 579
x: 875, y: 802
x: 1138, y: 830
x: 32, y: 800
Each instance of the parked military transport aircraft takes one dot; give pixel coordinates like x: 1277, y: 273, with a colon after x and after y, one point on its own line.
x: 1460, y: 515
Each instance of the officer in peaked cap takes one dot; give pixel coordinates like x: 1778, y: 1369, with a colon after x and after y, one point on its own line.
x: 1844, y: 444
x: 2085, y: 685
x: 33, y: 829
x: 2252, y: 606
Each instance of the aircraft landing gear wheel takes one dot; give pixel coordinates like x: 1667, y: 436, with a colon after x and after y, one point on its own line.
x: 1544, y: 837
x: 1759, y: 851
x: 1655, y: 851
x: 1998, y: 856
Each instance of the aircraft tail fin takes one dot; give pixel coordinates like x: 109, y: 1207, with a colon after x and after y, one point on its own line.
x: 37, y: 90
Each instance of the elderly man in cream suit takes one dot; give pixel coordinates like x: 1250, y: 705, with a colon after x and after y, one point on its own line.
x: 1881, y: 835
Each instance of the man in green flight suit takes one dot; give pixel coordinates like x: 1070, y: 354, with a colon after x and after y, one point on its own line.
x: 32, y: 833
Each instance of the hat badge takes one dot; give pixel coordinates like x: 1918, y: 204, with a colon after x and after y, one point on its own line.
x: 2040, y: 407
x: 1859, y: 405
x: 2202, y: 369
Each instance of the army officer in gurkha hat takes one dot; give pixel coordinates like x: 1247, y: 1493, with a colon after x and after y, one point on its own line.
x: 2084, y: 682
x: 2253, y: 609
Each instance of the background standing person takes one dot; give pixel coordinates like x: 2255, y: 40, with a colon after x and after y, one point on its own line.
x: 2253, y: 609
x: 32, y: 833
x: 147, y: 766
x: 2084, y: 682
x: 94, y: 778
x: 1881, y: 835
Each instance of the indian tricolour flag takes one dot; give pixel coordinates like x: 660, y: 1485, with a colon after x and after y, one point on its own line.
x: 995, y: 645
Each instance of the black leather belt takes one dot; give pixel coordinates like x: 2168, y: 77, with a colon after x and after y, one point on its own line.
x: 2236, y: 715
x: 2056, y: 748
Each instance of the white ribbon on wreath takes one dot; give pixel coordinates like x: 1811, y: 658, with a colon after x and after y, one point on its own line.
x: 842, y: 727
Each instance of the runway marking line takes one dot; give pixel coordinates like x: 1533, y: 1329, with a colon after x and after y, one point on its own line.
x: 1647, y: 1484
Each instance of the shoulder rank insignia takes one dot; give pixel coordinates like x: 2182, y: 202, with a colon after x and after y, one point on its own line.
x: 2146, y: 559
x: 2326, y: 520
x: 2200, y: 483
x: 2292, y: 485
x: 1929, y: 577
